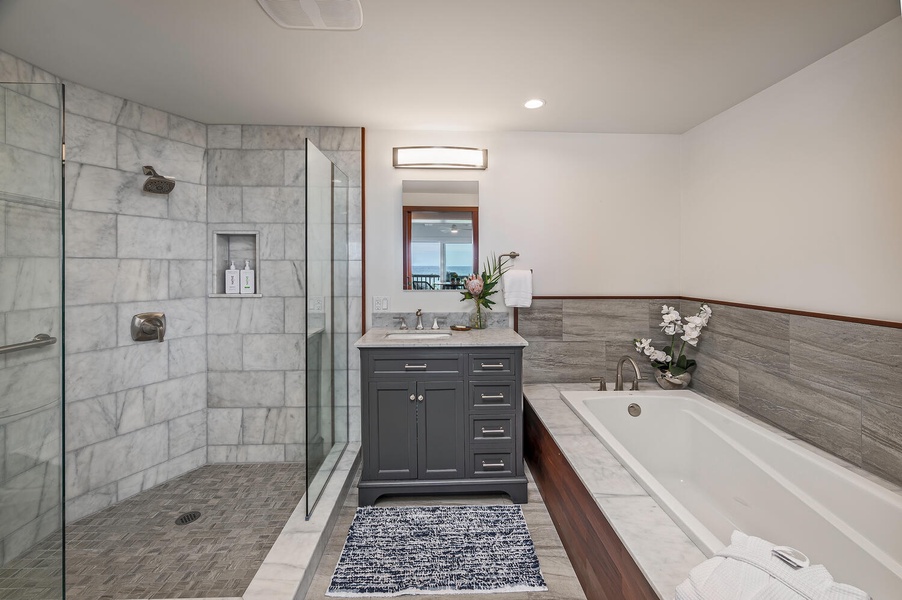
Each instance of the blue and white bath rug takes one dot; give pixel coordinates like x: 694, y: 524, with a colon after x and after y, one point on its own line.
x: 401, y: 550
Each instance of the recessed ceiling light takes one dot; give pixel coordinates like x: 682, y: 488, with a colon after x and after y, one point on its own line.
x: 534, y: 103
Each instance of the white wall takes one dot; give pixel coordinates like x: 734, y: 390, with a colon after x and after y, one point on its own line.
x: 793, y: 198
x: 583, y: 210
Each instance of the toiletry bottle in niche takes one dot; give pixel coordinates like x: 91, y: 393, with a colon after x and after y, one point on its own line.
x: 232, y: 283
x: 247, y: 278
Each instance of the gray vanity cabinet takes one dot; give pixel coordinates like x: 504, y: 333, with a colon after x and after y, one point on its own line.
x: 415, y: 430
x: 439, y: 420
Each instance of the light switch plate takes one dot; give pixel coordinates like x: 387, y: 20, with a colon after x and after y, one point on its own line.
x: 380, y: 303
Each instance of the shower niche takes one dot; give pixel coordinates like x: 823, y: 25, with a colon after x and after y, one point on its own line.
x: 237, y: 247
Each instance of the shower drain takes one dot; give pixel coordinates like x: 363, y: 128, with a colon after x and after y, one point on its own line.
x: 188, y: 517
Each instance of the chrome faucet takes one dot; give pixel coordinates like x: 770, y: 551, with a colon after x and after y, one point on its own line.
x: 403, y: 323
x: 618, y: 384
x: 419, y: 318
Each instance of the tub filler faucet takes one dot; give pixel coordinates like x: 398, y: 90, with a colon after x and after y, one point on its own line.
x: 618, y: 384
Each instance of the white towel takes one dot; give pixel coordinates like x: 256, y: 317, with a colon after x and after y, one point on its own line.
x: 747, y: 570
x: 517, y: 288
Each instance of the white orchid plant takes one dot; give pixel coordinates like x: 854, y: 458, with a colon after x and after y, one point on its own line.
x: 672, y: 324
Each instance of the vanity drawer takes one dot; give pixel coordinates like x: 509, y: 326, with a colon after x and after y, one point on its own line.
x: 495, y: 363
x: 492, y: 395
x: 492, y: 464
x: 492, y: 428
x: 411, y: 364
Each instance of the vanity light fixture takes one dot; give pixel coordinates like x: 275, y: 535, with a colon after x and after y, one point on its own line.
x: 534, y: 103
x: 439, y: 157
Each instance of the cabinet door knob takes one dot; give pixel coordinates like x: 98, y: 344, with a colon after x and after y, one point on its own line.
x: 420, y: 397
x: 412, y: 397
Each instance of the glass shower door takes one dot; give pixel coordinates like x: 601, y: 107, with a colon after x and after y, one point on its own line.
x: 327, y: 337
x: 31, y: 332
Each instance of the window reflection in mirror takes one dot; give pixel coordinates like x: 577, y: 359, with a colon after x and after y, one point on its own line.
x: 440, y: 246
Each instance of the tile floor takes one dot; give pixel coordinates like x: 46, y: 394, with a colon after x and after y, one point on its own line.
x: 134, y: 549
x: 559, y: 576
x: 36, y: 575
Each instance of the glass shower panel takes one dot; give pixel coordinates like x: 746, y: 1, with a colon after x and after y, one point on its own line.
x: 326, y: 399
x: 31, y: 333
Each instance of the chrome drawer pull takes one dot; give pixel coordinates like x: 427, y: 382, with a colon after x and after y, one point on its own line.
x: 486, y: 465
x: 495, y: 397
x: 414, y: 367
x: 499, y: 431
x: 485, y: 366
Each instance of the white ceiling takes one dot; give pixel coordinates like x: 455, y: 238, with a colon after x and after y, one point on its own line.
x: 637, y: 66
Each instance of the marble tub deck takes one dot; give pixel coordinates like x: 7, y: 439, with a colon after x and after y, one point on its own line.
x: 663, y: 552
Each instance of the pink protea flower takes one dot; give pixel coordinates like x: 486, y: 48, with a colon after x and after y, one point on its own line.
x: 474, y: 285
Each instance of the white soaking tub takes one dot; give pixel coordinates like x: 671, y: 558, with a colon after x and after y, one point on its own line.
x: 713, y: 470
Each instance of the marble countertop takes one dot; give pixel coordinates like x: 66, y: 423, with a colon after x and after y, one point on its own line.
x: 493, y: 336
x: 663, y: 552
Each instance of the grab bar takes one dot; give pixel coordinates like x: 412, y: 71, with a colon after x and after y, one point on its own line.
x: 41, y: 339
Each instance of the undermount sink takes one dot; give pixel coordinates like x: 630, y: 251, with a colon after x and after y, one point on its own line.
x: 418, y: 335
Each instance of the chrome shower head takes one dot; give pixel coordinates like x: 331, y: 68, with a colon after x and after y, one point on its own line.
x: 156, y: 183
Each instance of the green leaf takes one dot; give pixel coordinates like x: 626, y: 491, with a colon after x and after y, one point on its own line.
x: 677, y: 370
x: 682, y: 361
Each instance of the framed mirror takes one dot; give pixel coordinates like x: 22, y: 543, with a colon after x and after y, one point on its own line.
x: 441, y: 246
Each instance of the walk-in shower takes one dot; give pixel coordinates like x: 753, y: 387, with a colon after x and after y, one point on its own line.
x: 31, y: 334
x: 124, y: 495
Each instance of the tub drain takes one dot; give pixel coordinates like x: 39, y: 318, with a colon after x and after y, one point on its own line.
x: 188, y: 517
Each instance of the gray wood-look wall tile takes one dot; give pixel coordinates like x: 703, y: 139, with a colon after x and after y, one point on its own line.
x: 832, y: 383
x: 858, y: 358
x: 881, y: 447
x: 824, y: 416
x: 758, y: 337
x: 544, y: 320
x: 717, y: 376
x: 563, y: 361
x: 615, y: 320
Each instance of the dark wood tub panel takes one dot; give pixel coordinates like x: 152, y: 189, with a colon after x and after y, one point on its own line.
x: 605, y: 569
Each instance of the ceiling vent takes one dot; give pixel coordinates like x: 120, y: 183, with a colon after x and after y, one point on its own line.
x: 340, y: 15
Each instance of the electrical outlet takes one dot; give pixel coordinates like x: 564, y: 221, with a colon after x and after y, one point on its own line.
x: 380, y: 303
x: 316, y: 304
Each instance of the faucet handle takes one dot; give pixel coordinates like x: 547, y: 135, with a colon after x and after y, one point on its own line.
x: 635, y: 386
x: 602, y: 384
x: 403, y: 322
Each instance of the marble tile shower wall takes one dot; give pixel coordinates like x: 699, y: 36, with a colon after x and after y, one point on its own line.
x: 834, y: 384
x: 135, y: 411
x: 256, y: 357
x: 30, y: 460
